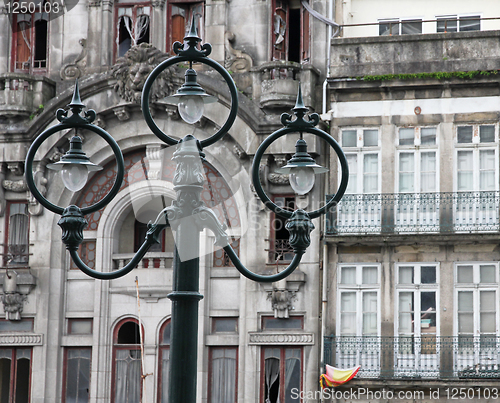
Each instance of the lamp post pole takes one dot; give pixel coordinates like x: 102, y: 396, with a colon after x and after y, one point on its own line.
x: 188, y: 215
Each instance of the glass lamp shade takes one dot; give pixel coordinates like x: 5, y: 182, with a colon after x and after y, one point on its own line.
x: 191, y: 108
x: 74, y: 176
x: 302, y: 179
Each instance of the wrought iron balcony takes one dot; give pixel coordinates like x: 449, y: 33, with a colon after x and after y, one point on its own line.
x: 407, y: 357
x: 414, y: 213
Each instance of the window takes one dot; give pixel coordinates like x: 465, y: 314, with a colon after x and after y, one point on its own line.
x: 86, y: 251
x: 477, y: 300
x: 417, y: 160
x: 408, y: 27
x: 358, y: 293
x: 180, y: 15
x: 361, y: 205
x: 453, y: 23
x: 362, y: 153
x: 127, y: 383
x: 282, y: 372
x: 476, y: 177
x: 30, y: 41
x: 223, y: 374
x: 417, y: 324
x: 79, y: 326
x: 17, y: 234
x: 280, y: 249
x: 272, y: 323
x: 133, y: 25
x: 224, y: 325
x: 290, y: 32
x: 15, y: 375
x: 76, y: 375
x: 164, y: 364
x: 221, y: 259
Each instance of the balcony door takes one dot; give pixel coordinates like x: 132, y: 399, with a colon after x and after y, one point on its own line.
x: 417, y: 203
x: 476, y: 204
x: 417, y: 325
x: 360, y: 210
x: 358, y: 323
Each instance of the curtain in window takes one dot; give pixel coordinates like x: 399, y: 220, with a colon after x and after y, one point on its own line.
x: 292, y: 374
x: 465, y: 176
x: 406, y: 172
x: 370, y: 174
x: 348, y: 314
x: 165, y: 374
x: 465, y: 312
x: 428, y: 172
x: 487, y: 170
x: 406, y: 313
x: 223, y: 388
x: 369, y: 313
x: 5, y: 367
x: 18, y: 234
x: 352, y: 162
x: 272, y: 373
x: 23, y: 45
x: 78, y: 375
x: 128, y: 376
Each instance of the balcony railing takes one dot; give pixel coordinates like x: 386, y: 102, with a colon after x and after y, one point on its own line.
x: 14, y: 256
x: 423, y: 357
x: 160, y: 260
x: 413, y: 213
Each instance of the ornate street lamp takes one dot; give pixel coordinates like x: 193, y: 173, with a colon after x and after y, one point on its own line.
x: 187, y: 215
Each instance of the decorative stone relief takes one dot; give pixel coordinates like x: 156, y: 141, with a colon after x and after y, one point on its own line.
x: 15, y: 290
x: 34, y: 207
x: 275, y: 178
x: 154, y: 157
x: 131, y: 71
x: 21, y: 339
x: 236, y: 60
x: 17, y: 168
x: 74, y: 70
x: 238, y: 150
x: 15, y: 186
x: 283, y: 293
x: 121, y: 113
x: 282, y: 338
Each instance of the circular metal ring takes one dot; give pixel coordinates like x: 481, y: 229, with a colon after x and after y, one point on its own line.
x: 273, y: 137
x: 177, y: 59
x: 120, y: 174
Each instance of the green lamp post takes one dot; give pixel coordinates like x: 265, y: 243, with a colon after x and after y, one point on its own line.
x: 188, y: 215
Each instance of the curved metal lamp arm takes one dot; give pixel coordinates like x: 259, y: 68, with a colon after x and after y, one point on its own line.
x: 73, y: 222
x: 299, y: 226
x: 259, y: 277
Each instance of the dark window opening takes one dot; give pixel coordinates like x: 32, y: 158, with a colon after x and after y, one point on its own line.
x: 280, y: 249
x: 40, y: 55
x: 129, y: 333
x: 294, y: 37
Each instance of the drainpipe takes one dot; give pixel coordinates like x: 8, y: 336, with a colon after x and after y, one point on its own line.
x: 329, y: 50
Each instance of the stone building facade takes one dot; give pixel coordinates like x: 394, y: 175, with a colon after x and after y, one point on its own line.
x: 66, y: 337
x: 415, y: 236
x: 412, y: 96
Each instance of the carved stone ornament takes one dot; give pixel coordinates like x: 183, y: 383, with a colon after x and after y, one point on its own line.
x: 236, y: 60
x: 74, y: 70
x: 121, y: 113
x: 131, y: 71
x: 283, y: 293
x: 15, y: 290
x: 34, y: 207
x: 15, y: 186
x: 17, y: 168
x: 275, y: 178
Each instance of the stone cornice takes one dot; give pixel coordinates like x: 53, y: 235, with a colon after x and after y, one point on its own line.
x: 298, y: 339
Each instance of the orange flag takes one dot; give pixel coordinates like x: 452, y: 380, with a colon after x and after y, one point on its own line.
x: 335, y: 376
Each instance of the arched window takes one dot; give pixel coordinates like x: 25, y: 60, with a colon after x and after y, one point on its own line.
x: 127, y: 383
x: 164, y: 364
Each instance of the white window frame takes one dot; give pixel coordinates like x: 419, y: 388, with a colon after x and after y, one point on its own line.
x: 417, y: 288
x: 476, y: 286
x: 360, y: 150
x: 475, y: 146
x: 359, y: 288
x: 417, y: 149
